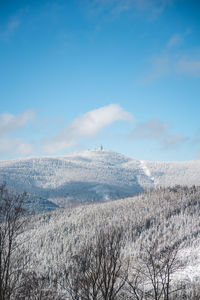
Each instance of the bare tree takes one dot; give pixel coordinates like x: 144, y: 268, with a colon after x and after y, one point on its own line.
x: 12, y: 260
x: 36, y: 287
x: 152, y: 277
x: 98, y: 270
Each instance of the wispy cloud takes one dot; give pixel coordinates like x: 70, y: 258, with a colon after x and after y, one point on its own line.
x: 196, y: 143
x: 175, y: 40
x: 196, y: 139
x: 198, y: 155
x: 10, y: 123
x: 173, y: 61
x: 178, y: 39
x: 153, y: 129
x: 11, y: 26
x: 188, y: 66
x: 86, y: 126
x: 15, y: 146
x: 154, y: 6
x: 161, y: 66
x: 183, y: 64
x: 174, y: 141
x: 117, y: 7
x: 159, y: 131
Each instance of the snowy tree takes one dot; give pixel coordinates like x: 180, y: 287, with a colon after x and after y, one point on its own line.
x: 153, y: 273
x: 12, y: 258
x: 98, y: 271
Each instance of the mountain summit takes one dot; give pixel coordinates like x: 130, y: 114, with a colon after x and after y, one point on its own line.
x: 93, y: 175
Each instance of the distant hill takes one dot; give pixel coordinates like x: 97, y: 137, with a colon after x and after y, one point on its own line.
x: 93, y: 176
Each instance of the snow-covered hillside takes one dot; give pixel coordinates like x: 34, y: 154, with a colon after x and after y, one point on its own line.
x: 93, y: 175
x: 169, y: 216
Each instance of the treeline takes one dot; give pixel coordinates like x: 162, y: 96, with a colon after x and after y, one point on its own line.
x: 128, y: 249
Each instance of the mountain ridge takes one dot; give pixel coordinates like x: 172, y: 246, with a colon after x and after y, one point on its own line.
x: 93, y: 176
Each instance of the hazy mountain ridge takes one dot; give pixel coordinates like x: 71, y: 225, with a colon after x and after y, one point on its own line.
x: 93, y: 175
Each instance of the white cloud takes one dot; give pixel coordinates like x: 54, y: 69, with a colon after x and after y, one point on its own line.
x: 161, y: 66
x: 10, y: 123
x: 174, y: 141
x: 92, y: 122
x: 117, y: 7
x: 175, y: 40
x: 196, y: 139
x: 188, y: 66
x: 178, y: 39
x: 168, y: 64
x: 173, y: 60
x: 11, y: 26
x: 155, y: 6
x: 87, y: 125
x: 15, y: 146
x: 159, y: 131
x: 153, y: 129
x: 198, y: 155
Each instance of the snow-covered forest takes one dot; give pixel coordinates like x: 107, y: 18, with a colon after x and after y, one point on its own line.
x: 69, y: 241
x: 92, y: 176
x: 162, y: 223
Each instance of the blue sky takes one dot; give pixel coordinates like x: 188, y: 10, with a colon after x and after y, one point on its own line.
x: 75, y: 74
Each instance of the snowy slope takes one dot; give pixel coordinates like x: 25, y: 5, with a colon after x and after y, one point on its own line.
x: 167, y: 215
x: 93, y: 175
x: 170, y: 173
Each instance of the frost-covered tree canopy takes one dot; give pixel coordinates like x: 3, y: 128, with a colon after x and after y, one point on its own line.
x: 170, y: 215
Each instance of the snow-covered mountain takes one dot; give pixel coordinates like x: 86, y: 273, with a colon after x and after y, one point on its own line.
x: 93, y: 175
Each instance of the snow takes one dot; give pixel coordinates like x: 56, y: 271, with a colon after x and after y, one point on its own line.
x: 165, y: 215
x: 146, y: 169
x: 93, y: 175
